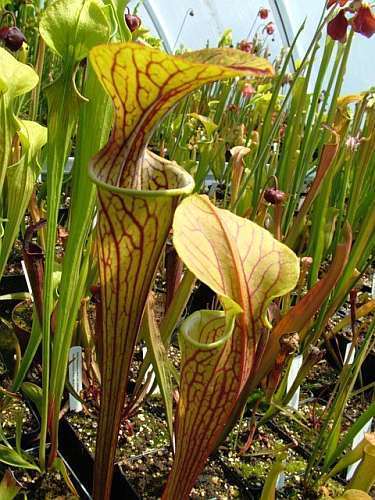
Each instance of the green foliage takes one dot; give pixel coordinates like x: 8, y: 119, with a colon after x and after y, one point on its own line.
x: 72, y: 28
x: 20, y: 460
x: 9, y: 487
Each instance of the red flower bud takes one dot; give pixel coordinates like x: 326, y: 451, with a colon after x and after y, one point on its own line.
x: 364, y: 22
x: 263, y: 13
x: 337, y: 28
x: 13, y: 37
x: 274, y: 196
x: 270, y: 28
x: 245, y: 46
x: 133, y: 22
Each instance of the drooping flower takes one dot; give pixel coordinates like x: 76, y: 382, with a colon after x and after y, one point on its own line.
x: 132, y: 20
x: 337, y: 28
x: 270, y: 28
x: 263, y: 13
x: 248, y: 90
x: 246, y: 46
x: 274, y: 196
x: 364, y: 21
x: 12, y: 37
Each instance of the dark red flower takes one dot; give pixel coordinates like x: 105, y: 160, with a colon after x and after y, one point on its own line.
x: 263, y: 13
x: 245, y: 46
x: 274, y: 196
x: 133, y: 21
x: 270, y: 28
x: 337, y: 28
x: 364, y: 21
x: 13, y: 37
x: 336, y: 2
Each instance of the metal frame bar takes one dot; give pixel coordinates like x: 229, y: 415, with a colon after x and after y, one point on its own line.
x: 158, y: 26
x: 281, y: 14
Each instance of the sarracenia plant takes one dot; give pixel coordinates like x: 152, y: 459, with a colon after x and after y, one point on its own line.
x: 138, y: 193
x: 221, y: 350
x: 226, y: 355
x: 70, y: 30
x: 20, y: 143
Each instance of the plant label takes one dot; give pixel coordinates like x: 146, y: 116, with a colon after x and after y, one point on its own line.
x: 27, y: 278
x: 150, y: 370
x: 75, y: 376
x: 280, y: 481
x: 349, y: 357
x: 293, y: 372
x: 358, y: 438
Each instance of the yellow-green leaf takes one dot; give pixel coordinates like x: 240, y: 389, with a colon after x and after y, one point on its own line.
x: 234, y: 256
x: 247, y: 267
x: 146, y: 84
x: 207, y: 123
x: 208, y: 391
x: 73, y: 27
x: 9, y: 456
x: 20, y: 179
x: 138, y: 193
x: 16, y: 78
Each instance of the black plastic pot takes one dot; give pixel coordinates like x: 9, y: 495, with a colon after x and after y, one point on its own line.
x: 368, y: 366
x: 81, y: 490
x: 81, y: 461
x: 13, y: 283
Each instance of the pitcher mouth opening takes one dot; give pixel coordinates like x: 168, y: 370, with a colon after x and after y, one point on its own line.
x: 183, y: 183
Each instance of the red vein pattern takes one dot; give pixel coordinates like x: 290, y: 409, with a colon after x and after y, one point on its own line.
x: 209, y: 386
x: 241, y: 262
x: 138, y: 193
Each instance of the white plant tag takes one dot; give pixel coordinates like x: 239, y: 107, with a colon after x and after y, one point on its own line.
x: 27, y: 278
x: 293, y: 372
x: 358, y: 438
x: 349, y: 360
x: 150, y: 370
x: 75, y: 376
x: 373, y: 287
x: 280, y: 481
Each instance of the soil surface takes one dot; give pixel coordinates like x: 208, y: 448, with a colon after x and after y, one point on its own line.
x: 37, y: 486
